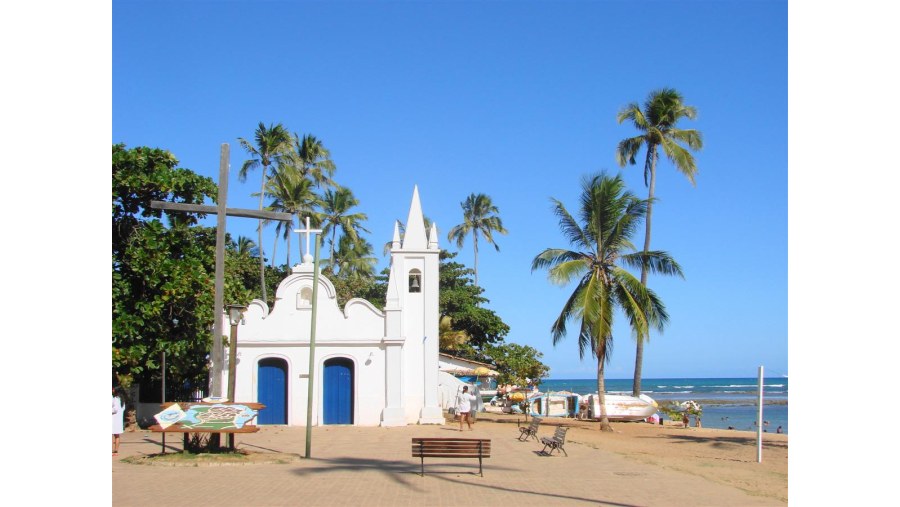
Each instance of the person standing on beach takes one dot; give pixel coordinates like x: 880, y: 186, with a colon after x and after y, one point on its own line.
x: 464, y: 407
x: 118, y: 421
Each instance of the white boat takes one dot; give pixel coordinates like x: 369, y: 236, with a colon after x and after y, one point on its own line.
x: 622, y: 407
x: 553, y: 405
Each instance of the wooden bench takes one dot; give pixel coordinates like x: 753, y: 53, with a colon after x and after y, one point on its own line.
x: 451, y: 448
x: 556, y: 442
x: 211, y: 426
x: 530, y: 430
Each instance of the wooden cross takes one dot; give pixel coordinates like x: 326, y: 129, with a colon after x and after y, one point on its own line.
x: 309, y: 232
x: 218, y: 349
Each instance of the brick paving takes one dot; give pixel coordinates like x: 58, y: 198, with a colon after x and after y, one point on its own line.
x: 373, y: 466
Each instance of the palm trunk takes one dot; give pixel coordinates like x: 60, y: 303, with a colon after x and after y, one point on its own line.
x: 291, y: 226
x: 639, y: 351
x: 274, y: 249
x: 331, y: 259
x: 262, y: 257
x: 601, y: 393
x: 475, y: 243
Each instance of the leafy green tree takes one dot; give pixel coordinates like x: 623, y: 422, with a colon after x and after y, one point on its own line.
x: 656, y: 123
x: 479, y: 216
x: 462, y: 301
x: 271, y: 144
x: 516, y: 363
x: 336, y: 205
x: 163, y: 276
x: 609, y: 216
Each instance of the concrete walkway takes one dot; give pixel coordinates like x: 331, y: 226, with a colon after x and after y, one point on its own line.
x: 373, y: 466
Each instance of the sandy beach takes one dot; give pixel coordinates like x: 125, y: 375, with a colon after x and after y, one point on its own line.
x: 725, y: 456
x: 636, y: 464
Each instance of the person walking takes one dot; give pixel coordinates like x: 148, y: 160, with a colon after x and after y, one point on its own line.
x: 464, y: 406
x: 118, y: 420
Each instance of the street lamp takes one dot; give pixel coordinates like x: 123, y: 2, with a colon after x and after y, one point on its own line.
x: 235, y: 316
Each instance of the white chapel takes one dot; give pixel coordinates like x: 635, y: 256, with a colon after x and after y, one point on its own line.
x: 371, y: 367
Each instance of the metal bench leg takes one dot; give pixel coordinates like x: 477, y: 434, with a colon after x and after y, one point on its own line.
x: 480, y: 452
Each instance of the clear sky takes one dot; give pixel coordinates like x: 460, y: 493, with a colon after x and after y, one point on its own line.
x: 514, y: 100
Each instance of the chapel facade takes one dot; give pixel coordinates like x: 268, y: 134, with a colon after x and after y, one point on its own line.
x: 371, y: 366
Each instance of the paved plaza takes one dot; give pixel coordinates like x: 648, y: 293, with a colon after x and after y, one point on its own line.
x: 373, y: 466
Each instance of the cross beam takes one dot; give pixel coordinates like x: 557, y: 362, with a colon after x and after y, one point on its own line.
x: 232, y: 212
x: 218, y: 350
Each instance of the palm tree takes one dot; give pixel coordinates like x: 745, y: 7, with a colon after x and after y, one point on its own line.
x: 354, y: 258
x: 271, y: 144
x: 312, y: 159
x: 609, y: 216
x: 657, y: 126
x: 246, y: 246
x: 336, y: 204
x: 478, y: 216
x: 292, y: 193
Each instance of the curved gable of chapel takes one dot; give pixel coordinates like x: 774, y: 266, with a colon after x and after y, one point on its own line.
x: 289, y: 320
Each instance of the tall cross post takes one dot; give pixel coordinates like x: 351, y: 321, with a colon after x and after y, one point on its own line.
x: 312, y: 331
x: 221, y: 211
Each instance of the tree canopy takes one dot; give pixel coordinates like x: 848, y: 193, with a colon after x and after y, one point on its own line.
x: 163, y: 274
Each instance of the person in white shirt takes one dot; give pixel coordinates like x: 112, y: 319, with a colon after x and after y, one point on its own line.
x: 464, y: 406
x: 117, y: 421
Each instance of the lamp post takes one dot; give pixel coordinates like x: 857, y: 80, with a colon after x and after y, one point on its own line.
x: 235, y: 317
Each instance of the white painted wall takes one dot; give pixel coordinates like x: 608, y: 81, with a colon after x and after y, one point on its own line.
x: 395, y: 373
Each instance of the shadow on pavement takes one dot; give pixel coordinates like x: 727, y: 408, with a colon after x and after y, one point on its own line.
x: 406, y: 472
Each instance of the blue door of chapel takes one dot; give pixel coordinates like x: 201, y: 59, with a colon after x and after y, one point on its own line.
x: 338, y: 391
x: 272, y: 391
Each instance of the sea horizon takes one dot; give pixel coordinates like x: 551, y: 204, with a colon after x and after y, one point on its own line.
x: 727, y: 402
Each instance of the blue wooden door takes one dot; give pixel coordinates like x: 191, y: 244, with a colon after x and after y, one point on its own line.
x: 272, y: 391
x: 338, y: 391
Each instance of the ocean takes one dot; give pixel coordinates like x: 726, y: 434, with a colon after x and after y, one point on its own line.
x: 725, y: 401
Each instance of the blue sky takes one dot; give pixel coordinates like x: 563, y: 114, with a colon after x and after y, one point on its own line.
x: 514, y: 100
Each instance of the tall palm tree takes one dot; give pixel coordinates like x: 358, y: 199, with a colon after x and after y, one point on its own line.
x: 312, y: 159
x: 656, y: 123
x: 609, y: 216
x: 354, y: 258
x: 336, y: 205
x: 292, y: 193
x: 271, y: 144
x: 479, y: 216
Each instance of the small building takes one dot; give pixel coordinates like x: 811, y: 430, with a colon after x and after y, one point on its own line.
x: 371, y: 366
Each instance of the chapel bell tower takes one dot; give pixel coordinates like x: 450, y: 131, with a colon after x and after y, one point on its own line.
x: 411, y: 333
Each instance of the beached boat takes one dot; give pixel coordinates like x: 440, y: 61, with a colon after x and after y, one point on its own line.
x: 553, y: 405
x: 621, y: 407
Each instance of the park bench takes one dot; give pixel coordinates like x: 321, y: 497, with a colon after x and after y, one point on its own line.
x: 451, y: 448
x: 556, y: 442
x: 530, y: 430
x: 212, y: 418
